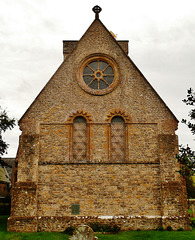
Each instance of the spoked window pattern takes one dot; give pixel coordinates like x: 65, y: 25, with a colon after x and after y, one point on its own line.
x: 98, y: 75
x: 79, y: 139
x: 117, y: 139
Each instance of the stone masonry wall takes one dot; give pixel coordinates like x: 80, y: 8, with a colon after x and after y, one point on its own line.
x: 100, y: 189
x: 24, y: 200
x: 28, y: 158
x: 143, y: 190
x: 23, y: 207
x: 141, y: 143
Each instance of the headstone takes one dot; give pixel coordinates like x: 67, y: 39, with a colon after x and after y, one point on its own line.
x: 83, y: 232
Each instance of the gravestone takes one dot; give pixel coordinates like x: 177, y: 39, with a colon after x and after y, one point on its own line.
x: 83, y: 232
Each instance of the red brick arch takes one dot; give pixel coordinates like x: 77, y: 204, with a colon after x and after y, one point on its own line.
x: 80, y: 113
x: 117, y: 112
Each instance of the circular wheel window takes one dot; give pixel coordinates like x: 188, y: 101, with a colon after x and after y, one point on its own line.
x: 98, y: 75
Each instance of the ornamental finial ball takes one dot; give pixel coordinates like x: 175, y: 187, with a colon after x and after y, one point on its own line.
x: 97, y: 9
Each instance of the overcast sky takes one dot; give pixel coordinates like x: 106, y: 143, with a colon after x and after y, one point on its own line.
x: 161, y: 36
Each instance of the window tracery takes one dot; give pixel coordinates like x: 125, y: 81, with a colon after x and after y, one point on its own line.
x: 79, y: 139
x: 118, y: 134
x: 117, y: 139
x: 79, y: 135
x: 98, y: 74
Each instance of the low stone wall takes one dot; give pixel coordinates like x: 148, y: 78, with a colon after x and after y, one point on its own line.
x: 125, y: 222
x: 59, y: 224
x: 176, y: 222
x: 22, y: 224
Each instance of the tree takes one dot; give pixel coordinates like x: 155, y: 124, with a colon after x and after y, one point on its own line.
x: 186, y: 156
x: 5, y: 124
x: 190, y: 101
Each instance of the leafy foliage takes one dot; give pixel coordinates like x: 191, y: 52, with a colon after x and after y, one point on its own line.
x: 160, y: 229
x: 190, y: 101
x: 180, y: 229
x: 5, y: 124
x: 69, y: 230
x: 169, y: 228
x: 187, y: 159
x: 193, y: 223
x: 190, y: 188
x: 186, y: 155
x: 98, y: 227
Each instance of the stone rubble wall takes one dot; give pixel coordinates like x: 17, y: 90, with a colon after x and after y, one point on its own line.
x: 144, y: 187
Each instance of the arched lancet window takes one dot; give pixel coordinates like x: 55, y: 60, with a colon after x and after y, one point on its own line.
x: 79, y: 139
x: 117, y: 139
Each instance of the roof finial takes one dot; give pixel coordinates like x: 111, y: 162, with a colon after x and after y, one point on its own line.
x: 97, y: 9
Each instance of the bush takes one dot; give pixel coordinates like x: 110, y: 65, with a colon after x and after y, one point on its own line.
x: 69, y: 230
x: 180, y: 229
x: 115, y: 228
x: 98, y: 227
x: 5, y: 209
x: 192, y: 224
x: 169, y: 228
x: 160, y: 228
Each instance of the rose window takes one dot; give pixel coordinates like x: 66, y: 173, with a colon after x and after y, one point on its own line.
x: 98, y: 75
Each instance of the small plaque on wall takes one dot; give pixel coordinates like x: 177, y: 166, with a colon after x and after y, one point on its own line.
x: 75, y: 209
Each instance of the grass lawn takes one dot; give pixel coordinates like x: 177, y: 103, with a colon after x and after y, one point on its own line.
x: 129, y: 235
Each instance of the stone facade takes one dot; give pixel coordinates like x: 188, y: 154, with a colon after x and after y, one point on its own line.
x: 137, y: 187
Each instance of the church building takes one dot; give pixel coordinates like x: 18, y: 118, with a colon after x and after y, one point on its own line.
x: 98, y: 144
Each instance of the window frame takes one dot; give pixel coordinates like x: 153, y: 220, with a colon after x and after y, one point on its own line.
x: 98, y: 57
x: 87, y: 140
x: 98, y: 74
x: 125, y: 159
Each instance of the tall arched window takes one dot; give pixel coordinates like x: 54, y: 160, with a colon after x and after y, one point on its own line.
x: 117, y: 139
x: 79, y: 139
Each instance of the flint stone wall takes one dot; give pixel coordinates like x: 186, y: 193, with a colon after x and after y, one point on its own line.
x: 143, y: 190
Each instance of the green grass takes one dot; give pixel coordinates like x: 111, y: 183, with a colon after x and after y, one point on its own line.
x: 128, y: 235
x: 153, y: 235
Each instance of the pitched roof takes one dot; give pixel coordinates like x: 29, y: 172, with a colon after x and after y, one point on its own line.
x: 3, y: 175
x: 9, y: 165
